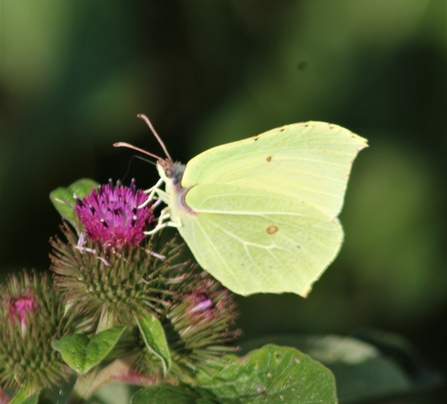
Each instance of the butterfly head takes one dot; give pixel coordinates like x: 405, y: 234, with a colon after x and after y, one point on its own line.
x: 170, y: 172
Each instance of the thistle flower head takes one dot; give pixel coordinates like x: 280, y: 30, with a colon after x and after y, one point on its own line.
x: 102, y: 283
x: 199, y: 326
x: 111, y: 215
x: 32, y: 316
x: 203, y: 317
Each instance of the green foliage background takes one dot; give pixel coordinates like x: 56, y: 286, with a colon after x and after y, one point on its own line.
x: 74, y: 74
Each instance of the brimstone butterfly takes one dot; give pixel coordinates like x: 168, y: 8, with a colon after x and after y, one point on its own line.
x: 260, y: 214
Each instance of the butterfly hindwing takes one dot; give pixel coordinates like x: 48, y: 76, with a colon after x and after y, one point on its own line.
x: 254, y: 242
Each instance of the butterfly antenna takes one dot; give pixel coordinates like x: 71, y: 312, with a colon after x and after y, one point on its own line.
x: 148, y: 122
x: 124, y: 144
x: 130, y: 161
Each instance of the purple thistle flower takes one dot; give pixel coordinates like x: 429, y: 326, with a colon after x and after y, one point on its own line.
x: 207, y: 303
x: 32, y: 315
x: 200, y: 302
x: 199, y: 324
x: 19, y: 307
x: 111, y: 215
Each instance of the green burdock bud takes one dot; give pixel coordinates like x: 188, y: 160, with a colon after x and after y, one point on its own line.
x: 32, y: 316
x: 202, y: 322
x: 113, y: 271
x: 199, y: 327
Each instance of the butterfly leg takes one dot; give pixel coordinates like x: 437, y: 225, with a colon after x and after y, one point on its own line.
x: 163, y: 222
x: 155, y: 193
x: 151, y: 190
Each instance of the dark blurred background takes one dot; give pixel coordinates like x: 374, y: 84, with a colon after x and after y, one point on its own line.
x: 74, y: 74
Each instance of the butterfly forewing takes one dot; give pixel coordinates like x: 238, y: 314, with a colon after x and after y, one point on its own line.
x: 307, y: 162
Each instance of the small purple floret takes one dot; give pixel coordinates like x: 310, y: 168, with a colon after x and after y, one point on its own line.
x: 201, y: 302
x: 111, y: 215
x: 18, y: 308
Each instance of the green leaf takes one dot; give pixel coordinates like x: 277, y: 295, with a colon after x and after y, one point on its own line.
x: 34, y: 399
x: 154, y: 337
x: 361, y: 370
x: 21, y: 398
x: 165, y: 393
x: 82, y: 354
x: 63, y: 200
x: 271, y: 374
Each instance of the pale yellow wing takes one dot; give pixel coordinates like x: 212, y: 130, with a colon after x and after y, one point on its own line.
x: 255, y: 242
x: 261, y: 214
x: 305, y: 161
